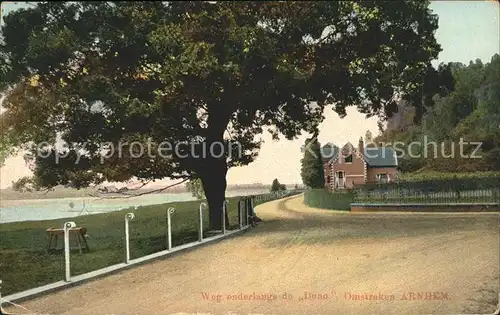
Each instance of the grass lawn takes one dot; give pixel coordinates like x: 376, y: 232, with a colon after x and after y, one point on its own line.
x: 324, y: 199
x: 25, y: 263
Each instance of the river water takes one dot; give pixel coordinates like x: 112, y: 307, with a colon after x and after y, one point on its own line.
x: 47, y: 209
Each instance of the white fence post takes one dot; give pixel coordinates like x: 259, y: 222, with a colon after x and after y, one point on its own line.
x: 128, y: 217
x: 240, y: 210
x: 224, y: 209
x: 67, y: 226
x: 200, y: 231
x: 170, y: 211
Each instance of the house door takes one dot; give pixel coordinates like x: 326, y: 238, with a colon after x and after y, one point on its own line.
x: 341, y: 179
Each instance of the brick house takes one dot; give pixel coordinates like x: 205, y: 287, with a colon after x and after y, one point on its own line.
x: 353, y: 166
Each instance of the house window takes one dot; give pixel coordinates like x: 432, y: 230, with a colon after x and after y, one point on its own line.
x: 328, y: 179
x: 382, y: 178
x: 348, y: 159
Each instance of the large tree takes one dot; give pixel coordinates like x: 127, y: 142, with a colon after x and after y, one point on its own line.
x: 115, y: 72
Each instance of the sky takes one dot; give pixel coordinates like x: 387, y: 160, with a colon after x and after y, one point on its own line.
x: 468, y: 30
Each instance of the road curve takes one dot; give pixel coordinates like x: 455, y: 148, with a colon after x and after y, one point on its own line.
x: 309, y: 261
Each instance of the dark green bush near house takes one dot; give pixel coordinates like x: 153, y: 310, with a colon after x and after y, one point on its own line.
x: 322, y: 198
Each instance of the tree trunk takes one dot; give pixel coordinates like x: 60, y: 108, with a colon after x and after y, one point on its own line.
x: 214, y: 185
x: 213, y: 170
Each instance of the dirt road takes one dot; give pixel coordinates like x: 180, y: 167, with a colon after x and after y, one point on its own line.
x: 308, y: 261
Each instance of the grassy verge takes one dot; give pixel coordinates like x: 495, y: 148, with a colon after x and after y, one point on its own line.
x: 25, y: 263
x: 322, y: 198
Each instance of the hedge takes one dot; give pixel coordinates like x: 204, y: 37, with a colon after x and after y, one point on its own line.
x: 435, y: 185
x: 322, y: 198
x: 423, y: 176
x: 454, y: 190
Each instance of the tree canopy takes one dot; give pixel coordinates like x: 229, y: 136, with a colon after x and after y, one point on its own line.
x: 112, y: 72
x: 468, y: 111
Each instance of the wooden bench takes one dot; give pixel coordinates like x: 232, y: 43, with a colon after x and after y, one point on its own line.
x: 79, y: 232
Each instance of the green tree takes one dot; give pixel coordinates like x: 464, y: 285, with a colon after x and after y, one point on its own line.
x: 118, y: 72
x: 468, y: 110
x: 312, y: 171
x: 434, y: 81
x: 276, y: 186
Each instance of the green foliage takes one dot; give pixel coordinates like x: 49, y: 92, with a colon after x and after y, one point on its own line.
x: 276, y: 186
x: 97, y: 72
x: 24, y: 184
x: 195, y: 187
x: 445, y: 190
x: 446, y: 176
x: 408, y: 165
x: 468, y: 112
x: 7, y: 140
x: 312, y: 171
x: 438, y: 81
x: 442, y: 184
x: 5, y: 150
x: 322, y: 198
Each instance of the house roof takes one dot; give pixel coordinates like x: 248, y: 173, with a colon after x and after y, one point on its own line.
x: 380, y: 157
x: 329, y: 151
x: 373, y: 156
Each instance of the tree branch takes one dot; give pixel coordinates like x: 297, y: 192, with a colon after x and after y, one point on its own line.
x: 125, y: 196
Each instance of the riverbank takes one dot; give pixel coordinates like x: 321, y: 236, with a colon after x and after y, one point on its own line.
x: 25, y: 262
x: 55, y: 208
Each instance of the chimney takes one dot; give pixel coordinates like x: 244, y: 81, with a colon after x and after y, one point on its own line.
x: 361, y: 146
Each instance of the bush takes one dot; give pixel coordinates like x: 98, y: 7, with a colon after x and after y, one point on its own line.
x: 322, y: 198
